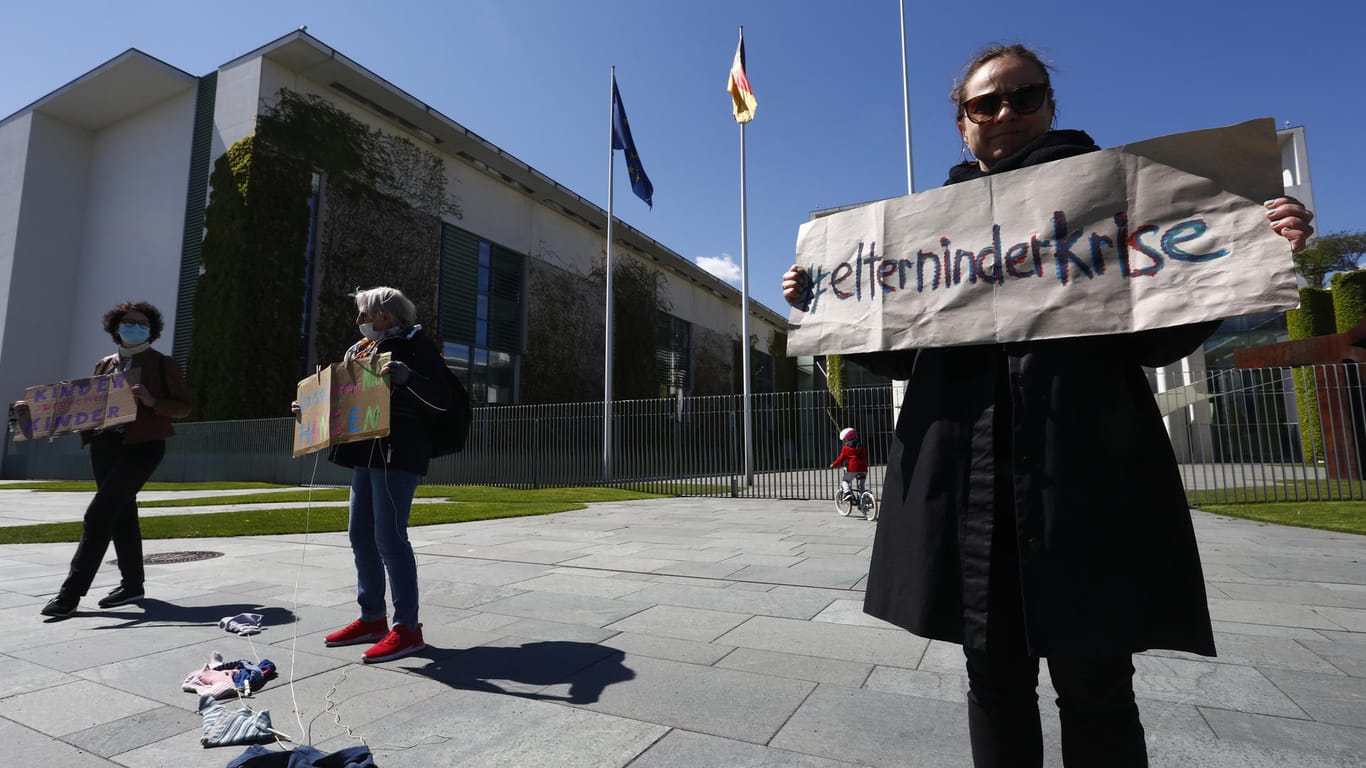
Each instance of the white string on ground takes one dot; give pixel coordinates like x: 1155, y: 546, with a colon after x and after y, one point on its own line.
x: 331, y: 709
x: 294, y: 607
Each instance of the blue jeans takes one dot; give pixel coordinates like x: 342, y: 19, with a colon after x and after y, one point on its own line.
x: 380, y: 501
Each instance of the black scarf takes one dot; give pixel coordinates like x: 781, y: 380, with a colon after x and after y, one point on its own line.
x: 1054, y: 145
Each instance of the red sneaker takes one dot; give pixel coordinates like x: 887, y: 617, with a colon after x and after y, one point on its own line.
x: 357, y: 632
x: 400, y: 642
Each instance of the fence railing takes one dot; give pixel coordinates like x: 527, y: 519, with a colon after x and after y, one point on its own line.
x: 1238, y: 435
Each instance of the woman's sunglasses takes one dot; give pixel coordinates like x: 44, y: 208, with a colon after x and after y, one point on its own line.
x: 1023, y: 101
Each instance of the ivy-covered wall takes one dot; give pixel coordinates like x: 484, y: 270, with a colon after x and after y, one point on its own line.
x: 784, y: 367
x: 711, y: 360
x: 383, y: 199
x: 565, y: 334
x: 638, y: 299
x: 245, y: 356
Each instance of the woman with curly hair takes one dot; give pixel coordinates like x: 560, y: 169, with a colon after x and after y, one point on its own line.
x: 123, y: 457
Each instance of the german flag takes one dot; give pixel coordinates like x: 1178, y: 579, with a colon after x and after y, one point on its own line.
x: 738, y: 86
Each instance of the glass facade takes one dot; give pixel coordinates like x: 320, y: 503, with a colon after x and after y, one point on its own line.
x: 480, y: 306
x: 673, y: 354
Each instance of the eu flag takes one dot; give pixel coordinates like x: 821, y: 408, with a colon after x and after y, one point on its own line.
x: 621, y: 139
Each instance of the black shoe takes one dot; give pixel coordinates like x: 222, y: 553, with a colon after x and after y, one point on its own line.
x: 121, y: 595
x: 60, y: 607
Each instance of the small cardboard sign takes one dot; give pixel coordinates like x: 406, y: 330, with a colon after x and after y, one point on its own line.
x: 342, y: 403
x: 75, y: 406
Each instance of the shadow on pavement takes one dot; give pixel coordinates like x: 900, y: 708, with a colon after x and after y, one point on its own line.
x: 150, y: 612
x: 587, y: 668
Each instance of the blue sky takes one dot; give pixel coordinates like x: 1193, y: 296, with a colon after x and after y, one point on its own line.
x: 532, y: 76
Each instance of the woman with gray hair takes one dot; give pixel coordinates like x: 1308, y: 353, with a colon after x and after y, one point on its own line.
x: 385, y: 473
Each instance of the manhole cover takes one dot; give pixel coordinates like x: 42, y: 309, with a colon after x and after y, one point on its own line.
x: 170, y: 558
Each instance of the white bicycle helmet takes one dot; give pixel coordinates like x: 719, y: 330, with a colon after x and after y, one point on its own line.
x: 848, y: 433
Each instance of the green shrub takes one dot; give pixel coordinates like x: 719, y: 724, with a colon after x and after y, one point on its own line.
x: 1349, y: 299
x: 1313, y: 318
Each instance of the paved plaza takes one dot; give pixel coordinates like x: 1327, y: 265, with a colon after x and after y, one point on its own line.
x: 664, y: 633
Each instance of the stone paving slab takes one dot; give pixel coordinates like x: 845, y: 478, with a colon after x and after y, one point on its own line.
x: 673, y: 632
x: 721, y: 702
x: 876, y: 728
x: 685, y: 749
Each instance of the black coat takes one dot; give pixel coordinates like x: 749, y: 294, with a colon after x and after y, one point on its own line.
x: 1055, y: 453
x: 413, y: 407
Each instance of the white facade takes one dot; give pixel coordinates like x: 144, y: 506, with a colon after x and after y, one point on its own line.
x: 92, y: 212
x: 1295, y: 166
x: 93, y: 181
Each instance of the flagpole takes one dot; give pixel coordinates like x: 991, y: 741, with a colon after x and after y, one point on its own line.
x: 607, y: 354
x: 744, y: 316
x: 899, y: 385
x: 906, y: 104
x: 744, y: 310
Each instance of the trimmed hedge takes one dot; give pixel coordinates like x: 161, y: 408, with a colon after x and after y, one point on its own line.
x: 1349, y: 299
x: 1313, y: 318
x: 380, y: 226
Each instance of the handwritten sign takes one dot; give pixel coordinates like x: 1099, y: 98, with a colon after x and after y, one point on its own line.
x: 1159, y: 233
x: 342, y: 403
x: 75, y: 406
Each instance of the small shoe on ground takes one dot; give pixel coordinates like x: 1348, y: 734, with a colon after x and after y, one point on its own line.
x: 120, y: 596
x: 357, y: 632
x: 400, y: 642
x: 60, y: 607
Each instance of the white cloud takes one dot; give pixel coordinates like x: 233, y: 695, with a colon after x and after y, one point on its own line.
x: 723, y: 266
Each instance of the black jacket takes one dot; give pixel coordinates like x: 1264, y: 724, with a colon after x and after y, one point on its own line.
x: 1032, y: 500
x: 412, y: 407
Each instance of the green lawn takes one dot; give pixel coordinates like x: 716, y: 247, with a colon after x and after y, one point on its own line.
x: 465, y: 503
x: 1313, y: 491
x: 1340, y: 516
x: 89, y: 485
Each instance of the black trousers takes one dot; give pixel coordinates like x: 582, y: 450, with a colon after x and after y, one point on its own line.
x: 1100, y: 725
x: 120, y: 472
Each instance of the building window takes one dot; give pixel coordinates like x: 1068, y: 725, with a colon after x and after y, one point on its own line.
x: 480, y: 309
x: 673, y: 354
x: 760, y: 371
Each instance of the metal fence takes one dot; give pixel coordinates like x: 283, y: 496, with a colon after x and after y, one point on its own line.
x: 1246, y: 435
x: 1238, y: 436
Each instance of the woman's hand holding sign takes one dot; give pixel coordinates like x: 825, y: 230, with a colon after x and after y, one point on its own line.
x: 796, y: 286
x: 1290, y: 219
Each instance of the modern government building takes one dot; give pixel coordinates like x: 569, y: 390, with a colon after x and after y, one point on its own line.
x: 104, y: 185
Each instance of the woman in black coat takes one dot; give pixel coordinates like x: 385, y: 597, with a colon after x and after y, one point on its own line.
x: 1032, y: 504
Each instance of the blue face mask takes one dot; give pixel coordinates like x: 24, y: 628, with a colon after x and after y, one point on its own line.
x: 133, y: 334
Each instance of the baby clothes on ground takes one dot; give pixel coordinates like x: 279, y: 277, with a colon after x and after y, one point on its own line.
x: 243, y: 623
x: 224, y: 729
x: 223, y: 679
x: 304, y: 756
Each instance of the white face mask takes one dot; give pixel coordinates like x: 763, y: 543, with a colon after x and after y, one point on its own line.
x: 368, y: 331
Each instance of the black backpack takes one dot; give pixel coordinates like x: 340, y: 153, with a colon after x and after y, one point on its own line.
x: 451, y: 428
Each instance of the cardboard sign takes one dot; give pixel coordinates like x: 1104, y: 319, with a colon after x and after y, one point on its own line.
x: 75, y: 406
x: 1159, y: 233
x: 342, y: 403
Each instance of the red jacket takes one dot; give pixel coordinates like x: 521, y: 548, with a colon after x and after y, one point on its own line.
x: 857, y: 457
